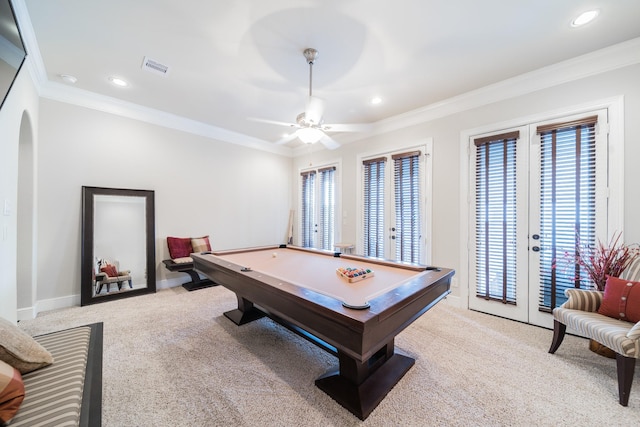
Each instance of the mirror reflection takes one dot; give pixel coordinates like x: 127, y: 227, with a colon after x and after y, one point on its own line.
x: 118, y: 246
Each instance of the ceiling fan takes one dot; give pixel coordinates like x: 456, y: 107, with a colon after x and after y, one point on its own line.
x: 309, y: 125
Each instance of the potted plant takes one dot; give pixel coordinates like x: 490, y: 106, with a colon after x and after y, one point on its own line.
x: 602, y: 261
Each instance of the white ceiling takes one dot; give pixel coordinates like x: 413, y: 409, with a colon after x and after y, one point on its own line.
x: 232, y: 60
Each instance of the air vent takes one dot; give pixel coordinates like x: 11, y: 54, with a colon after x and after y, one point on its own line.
x: 154, y: 66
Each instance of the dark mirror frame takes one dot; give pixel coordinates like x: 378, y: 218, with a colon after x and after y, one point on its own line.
x: 10, y: 32
x: 86, y: 256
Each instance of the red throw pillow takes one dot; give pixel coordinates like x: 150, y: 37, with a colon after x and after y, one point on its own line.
x: 110, y: 269
x: 11, y: 391
x: 621, y: 300
x: 179, y: 247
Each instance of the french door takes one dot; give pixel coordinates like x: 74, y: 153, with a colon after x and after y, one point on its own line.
x: 318, y: 207
x: 395, y: 194
x: 539, y: 193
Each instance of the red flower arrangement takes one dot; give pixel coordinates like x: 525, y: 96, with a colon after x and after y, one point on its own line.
x: 602, y: 261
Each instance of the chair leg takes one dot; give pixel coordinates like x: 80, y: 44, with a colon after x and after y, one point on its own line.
x: 558, y: 335
x: 626, y: 366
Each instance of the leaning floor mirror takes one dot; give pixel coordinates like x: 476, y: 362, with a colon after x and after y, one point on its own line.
x: 118, y: 244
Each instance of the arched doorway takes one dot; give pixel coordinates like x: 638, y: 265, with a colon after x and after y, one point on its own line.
x: 26, y: 224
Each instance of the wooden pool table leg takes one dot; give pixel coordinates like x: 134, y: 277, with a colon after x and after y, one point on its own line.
x: 361, y: 386
x: 245, y: 313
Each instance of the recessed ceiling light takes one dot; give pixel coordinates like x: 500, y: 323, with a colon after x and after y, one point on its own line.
x: 375, y: 100
x: 118, y: 81
x: 584, y: 18
x: 68, y: 78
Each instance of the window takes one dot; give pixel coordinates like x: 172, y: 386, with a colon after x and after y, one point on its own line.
x: 496, y: 217
x: 307, y: 220
x: 374, y: 206
x: 318, y: 197
x: 538, y: 193
x: 395, y: 191
x: 327, y: 201
x: 407, y: 206
x: 567, y: 205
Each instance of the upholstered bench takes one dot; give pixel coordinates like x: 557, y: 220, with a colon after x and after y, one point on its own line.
x: 581, y: 314
x: 69, y: 391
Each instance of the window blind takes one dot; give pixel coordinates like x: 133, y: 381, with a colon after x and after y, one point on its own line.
x: 495, y: 211
x: 568, y: 206
x: 327, y: 207
x: 374, y: 206
x: 307, y: 209
x: 407, y: 206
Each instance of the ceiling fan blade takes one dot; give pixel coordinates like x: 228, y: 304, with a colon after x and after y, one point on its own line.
x: 354, y: 127
x: 329, y: 142
x: 272, y: 122
x: 314, y: 110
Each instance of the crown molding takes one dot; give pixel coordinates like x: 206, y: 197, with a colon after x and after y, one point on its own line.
x: 71, y: 95
x: 607, y: 59
x: 600, y: 61
x: 34, y: 61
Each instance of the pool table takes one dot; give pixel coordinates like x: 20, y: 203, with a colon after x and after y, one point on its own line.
x: 356, y: 321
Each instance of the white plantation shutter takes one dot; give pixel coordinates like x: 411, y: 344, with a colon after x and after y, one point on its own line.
x: 374, y: 206
x: 407, y: 206
x: 568, y: 205
x: 495, y: 204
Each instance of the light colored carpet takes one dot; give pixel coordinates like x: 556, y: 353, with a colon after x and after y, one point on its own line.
x: 172, y: 358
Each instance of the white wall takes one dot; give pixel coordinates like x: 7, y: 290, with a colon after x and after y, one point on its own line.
x: 236, y: 195
x: 446, y: 133
x: 21, y: 105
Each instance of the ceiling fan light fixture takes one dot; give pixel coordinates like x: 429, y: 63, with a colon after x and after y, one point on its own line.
x: 309, y: 135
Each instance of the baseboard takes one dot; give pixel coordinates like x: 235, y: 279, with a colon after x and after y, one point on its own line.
x: 453, y: 300
x: 57, y: 303
x: 28, y: 313
x: 171, y: 283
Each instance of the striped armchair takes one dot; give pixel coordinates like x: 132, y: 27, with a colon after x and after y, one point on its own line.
x: 580, y: 314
